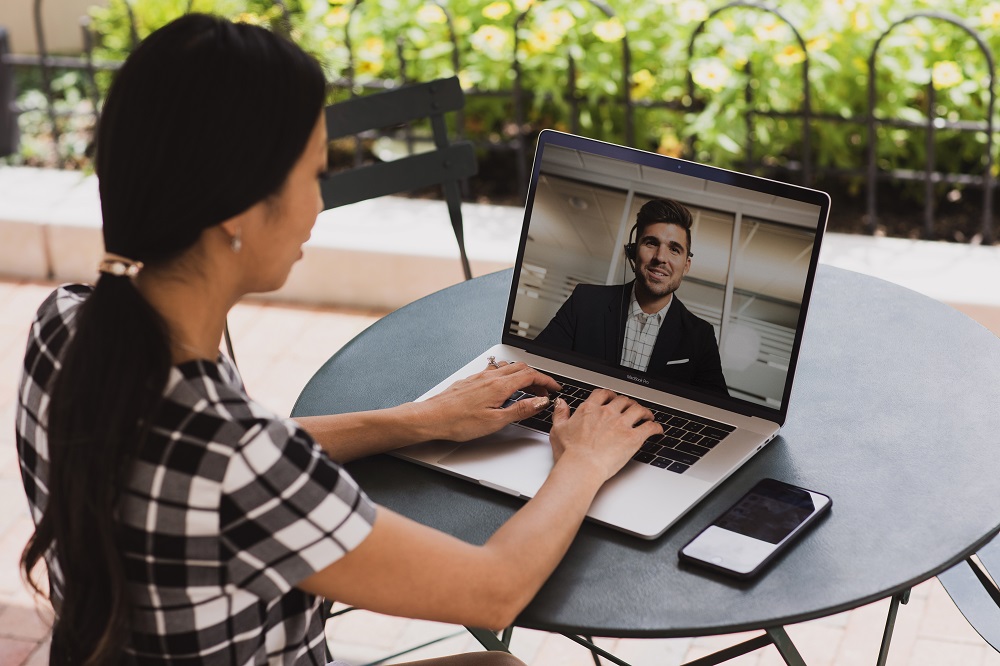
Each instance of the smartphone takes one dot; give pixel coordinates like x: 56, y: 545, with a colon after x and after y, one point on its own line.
x: 754, y: 530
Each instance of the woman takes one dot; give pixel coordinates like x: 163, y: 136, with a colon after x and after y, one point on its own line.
x: 181, y: 521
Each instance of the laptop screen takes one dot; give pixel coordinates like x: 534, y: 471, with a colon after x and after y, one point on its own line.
x: 707, y: 301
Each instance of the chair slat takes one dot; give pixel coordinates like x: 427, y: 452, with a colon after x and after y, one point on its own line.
x: 973, y: 601
x: 393, y: 107
x: 408, y: 173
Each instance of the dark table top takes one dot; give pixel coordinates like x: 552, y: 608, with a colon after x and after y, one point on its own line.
x: 894, y: 414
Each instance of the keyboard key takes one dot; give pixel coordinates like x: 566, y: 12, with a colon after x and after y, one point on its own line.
x: 717, y: 433
x: 662, y: 462
x: 678, y: 456
x: 677, y: 421
x: 650, y: 447
x: 693, y: 427
x: 643, y: 457
x: 692, y: 449
x: 537, y: 424
x: 690, y: 437
x: 680, y: 468
x: 708, y: 442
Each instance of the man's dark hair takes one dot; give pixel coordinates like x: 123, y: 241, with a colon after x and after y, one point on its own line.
x: 663, y: 210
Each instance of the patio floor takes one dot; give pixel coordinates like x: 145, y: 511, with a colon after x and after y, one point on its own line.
x: 279, y: 347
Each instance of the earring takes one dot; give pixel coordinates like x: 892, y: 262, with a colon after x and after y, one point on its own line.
x: 237, y: 242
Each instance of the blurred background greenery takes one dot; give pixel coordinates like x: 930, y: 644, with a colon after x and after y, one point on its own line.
x: 694, y: 71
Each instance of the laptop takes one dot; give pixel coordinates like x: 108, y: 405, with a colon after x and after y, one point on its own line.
x: 721, y: 382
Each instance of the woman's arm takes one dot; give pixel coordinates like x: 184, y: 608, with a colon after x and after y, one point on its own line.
x: 404, y: 568
x: 469, y: 408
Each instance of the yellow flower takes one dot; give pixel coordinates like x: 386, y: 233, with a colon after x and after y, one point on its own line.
x: 790, y: 55
x: 642, y: 83
x: 522, y: 5
x: 670, y: 145
x: 711, y: 75
x: 250, y: 19
x: 558, y: 21
x: 818, y: 44
x: 990, y: 15
x: 369, y: 67
x: 836, y: 6
x: 542, y: 41
x: 611, y: 30
x: 496, y: 10
x: 431, y: 13
x: 466, y: 80
x: 489, y: 40
x: 691, y: 11
x: 337, y: 16
x: 945, y: 74
x: 772, y: 31
x: 860, y: 20
x: 372, y: 48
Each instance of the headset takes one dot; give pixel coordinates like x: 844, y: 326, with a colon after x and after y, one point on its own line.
x: 630, y: 247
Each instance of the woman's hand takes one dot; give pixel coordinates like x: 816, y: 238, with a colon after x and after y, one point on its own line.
x: 605, y: 430
x: 473, y: 407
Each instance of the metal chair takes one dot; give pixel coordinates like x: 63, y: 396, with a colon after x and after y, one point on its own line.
x: 971, y: 585
x: 447, y: 164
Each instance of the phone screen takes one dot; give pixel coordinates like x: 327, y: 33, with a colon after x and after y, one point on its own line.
x: 756, y: 528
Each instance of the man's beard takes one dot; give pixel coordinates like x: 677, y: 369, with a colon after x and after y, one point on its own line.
x: 660, y: 290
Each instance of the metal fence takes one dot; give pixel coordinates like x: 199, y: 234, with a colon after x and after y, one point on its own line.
x: 804, y: 169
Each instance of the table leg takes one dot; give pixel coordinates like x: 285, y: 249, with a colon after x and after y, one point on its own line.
x: 597, y: 659
x: 595, y: 652
x: 489, y: 640
x: 732, y: 652
x: 890, y: 622
x: 785, y: 647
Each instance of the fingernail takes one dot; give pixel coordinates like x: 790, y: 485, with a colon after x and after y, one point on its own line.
x: 541, y: 403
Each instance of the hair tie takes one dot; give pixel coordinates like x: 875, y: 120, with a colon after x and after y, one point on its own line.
x: 119, y: 266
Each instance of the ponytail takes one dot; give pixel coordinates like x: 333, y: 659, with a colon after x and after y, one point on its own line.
x: 103, y: 398
x: 204, y: 119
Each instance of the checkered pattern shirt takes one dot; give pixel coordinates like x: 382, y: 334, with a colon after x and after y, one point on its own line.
x: 227, y: 508
x: 641, y: 330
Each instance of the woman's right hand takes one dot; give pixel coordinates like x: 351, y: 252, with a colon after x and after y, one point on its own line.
x: 605, y: 430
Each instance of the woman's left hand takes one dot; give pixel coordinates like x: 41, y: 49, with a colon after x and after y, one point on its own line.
x: 473, y: 407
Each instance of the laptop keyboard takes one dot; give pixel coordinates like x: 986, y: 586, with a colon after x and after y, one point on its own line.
x: 685, y: 439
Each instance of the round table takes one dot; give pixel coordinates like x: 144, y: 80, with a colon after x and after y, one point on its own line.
x: 894, y: 414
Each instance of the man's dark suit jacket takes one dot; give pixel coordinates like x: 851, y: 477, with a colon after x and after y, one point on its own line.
x: 592, y: 322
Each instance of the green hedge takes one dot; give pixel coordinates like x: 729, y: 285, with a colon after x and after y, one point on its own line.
x: 839, y: 36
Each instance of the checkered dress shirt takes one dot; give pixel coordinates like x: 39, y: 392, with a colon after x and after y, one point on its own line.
x: 641, y: 330
x: 228, y: 507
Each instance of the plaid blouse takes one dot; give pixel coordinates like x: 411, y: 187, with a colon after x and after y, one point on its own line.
x: 228, y: 507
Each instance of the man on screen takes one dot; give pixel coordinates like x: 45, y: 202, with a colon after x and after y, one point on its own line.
x: 640, y: 325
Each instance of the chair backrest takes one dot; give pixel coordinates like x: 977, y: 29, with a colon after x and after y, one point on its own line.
x: 970, y: 584
x: 448, y: 164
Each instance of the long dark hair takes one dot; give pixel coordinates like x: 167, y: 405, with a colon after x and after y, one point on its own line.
x: 205, y: 119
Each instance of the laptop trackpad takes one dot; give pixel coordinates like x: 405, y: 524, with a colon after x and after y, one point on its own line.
x: 513, y: 459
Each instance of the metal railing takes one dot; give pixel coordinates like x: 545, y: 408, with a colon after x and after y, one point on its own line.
x: 804, y: 169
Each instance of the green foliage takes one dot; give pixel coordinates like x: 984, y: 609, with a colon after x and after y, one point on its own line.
x: 741, y: 59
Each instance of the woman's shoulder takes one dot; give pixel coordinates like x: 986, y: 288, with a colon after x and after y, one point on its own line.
x: 207, y: 400
x: 63, y: 302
